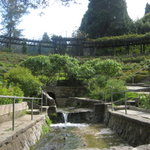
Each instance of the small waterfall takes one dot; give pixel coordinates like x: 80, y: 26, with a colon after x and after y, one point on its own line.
x: 65, y: 124
x: 65, y: 115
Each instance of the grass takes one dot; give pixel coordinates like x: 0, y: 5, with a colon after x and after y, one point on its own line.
x: 11, y: 59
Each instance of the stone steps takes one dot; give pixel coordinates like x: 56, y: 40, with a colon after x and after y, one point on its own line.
x: 35, y: 111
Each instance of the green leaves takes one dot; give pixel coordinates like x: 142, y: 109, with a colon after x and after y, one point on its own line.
x: 10, y: 91
x: 53, y: 66
x: 106, y: 18
x: 110, y: 67
x: 23, y: 78
x: 39, y: 65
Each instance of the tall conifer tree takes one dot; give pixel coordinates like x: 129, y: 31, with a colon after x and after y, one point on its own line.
x: 106, y: 18
x: 147, y: 9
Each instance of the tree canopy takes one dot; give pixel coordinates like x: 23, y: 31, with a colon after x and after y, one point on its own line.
x: 147, y: 9
x: 143, y: 25
x: 106, y: 18
x: 11, y: 12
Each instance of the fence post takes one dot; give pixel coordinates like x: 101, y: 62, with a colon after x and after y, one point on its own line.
x: 42, y: 101
x: 13, y: 115
x: 32, y: 109
x: 111, y: 99
x: 125, y: 103
x: 104, y: 96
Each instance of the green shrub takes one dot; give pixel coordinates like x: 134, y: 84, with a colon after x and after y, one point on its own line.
x: 144, y: 101
x: 96, y: 85
x: 23, y: 77
x: 116, y: 86
x: 132, y: 95
x: 69, y: 66
x: 53, y: 66
x: 10, y: 91
x: 110, y: 67
x: 39, y: 65
x: 86, y: 71
x: 94, y: 67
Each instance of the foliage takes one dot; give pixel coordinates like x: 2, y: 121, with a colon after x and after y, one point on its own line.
x: 143, y: 25
x: 10, y: 91
x: 43, y: 79
x: 53, y: 66
x: 109, y: 67
x: 11, y: 59
x: 11, y: 12
x: 45, y: 37
x: 96, y: 86
x: 63, y: 63
x: 147, y: 9
x: 60, y: 46
x: 39, y: 65
x: 87, y: 70
x: 102, y: 18
x: 24, y: 48
x: 100, y: 86
x: 116, y: 86
x: 144, y: 101
x: 46, y: 126
x: 23, y: 78
x: 132, y: 95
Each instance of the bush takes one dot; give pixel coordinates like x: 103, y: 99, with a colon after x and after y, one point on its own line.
x: 86, y: 71
x: 23, y: 77
x: 94, y: 67
x: 132, y: 95
x: 117, y: 86
x: 110, y: 67
x: 10, y: 91
x: 39, y: 65
x: 69, y: 66
x: 53, y: 66
x: 144, y: 101
x: 96, y: 86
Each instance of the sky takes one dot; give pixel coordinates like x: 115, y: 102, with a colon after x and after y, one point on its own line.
x: 62, y: 20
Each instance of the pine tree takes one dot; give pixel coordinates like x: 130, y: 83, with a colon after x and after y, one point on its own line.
x: 11, y: 11
x: 45, y: 37
x: 106, y: 18
x: 147, y: 9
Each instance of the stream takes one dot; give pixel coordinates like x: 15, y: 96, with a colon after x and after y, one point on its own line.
x: 70, y: 136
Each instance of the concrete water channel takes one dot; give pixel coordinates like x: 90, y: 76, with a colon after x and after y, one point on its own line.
x: 87, y: 125
x: 69, y: 136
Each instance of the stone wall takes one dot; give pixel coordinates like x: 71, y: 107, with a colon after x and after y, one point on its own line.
x: 6, y: 111
x: 135, y: 131
x: 81, y: 102
x: 25, y: 137
x: 62, y: 93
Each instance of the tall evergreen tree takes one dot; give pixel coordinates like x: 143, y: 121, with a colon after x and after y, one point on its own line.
x: 45, y: 37
x: 147, y: 9
x: 143, y: 25
x: 11, y: 12
x: 106, y: 18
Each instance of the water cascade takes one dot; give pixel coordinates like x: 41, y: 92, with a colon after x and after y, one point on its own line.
x: 65, y: 115
x: 69, y: 136
x: 67, y: 124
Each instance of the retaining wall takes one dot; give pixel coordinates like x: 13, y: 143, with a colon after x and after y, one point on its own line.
x: 6, y: 111
x: 25, y: 137
x: 134, y: 130
x: 62, y: 93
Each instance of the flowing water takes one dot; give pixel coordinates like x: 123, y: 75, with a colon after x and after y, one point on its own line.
x: 69, y: 136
